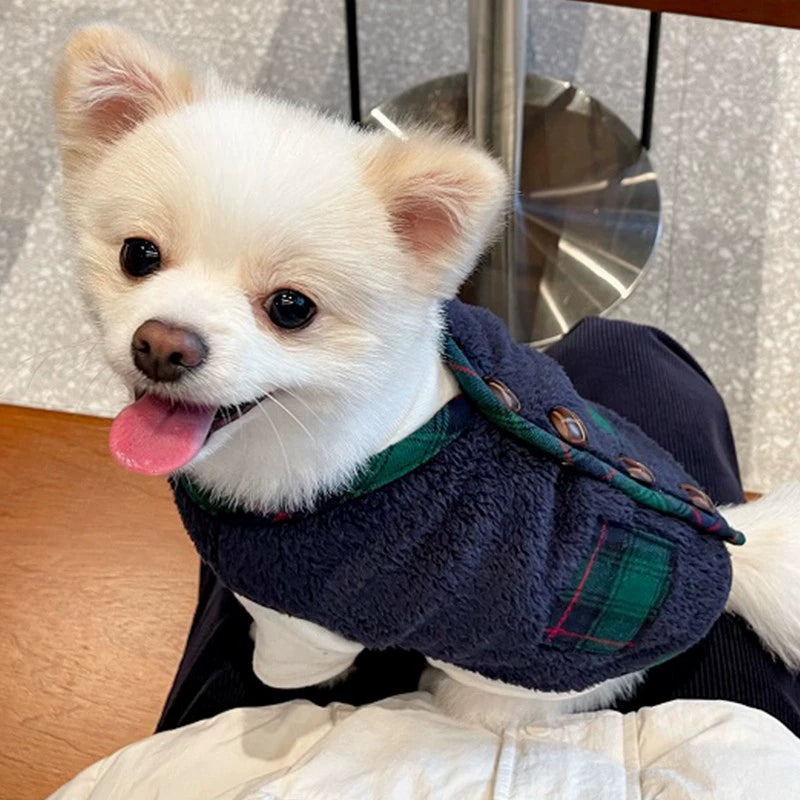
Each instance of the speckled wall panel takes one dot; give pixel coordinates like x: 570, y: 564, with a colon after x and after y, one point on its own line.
x: 724, y: 280
x: 295, y: 48
x: 648, y: 302
x: 735, y: 287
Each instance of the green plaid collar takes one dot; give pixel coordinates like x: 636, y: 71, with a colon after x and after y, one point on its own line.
x: 415, y: 450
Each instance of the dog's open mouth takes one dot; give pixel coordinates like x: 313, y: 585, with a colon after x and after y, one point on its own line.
x: 154, y: 436
x: 227, y: 414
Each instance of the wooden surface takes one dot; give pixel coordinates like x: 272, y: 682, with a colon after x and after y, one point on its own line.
x: 784, y: 13
x: 97, y: 589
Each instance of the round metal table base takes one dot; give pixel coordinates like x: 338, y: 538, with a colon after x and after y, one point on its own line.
x: 587, y: 216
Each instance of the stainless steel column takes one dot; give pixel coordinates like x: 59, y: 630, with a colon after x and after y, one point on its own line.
x: 496, y: 89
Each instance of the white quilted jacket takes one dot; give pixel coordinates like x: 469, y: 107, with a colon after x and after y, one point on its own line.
x: 404, y: 749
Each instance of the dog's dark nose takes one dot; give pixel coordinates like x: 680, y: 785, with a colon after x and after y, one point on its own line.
x: 164, y: 352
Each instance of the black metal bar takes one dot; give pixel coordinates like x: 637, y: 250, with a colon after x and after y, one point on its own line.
x: 653, y: 39
x: 352, y: 60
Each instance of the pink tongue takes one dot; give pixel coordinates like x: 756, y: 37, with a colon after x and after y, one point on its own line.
x: 155, y: 438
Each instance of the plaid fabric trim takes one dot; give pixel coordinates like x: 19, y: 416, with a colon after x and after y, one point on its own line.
x: 601, y: 421
x: 615, y: 593
x: 415, y: 450
x: 551, y: 445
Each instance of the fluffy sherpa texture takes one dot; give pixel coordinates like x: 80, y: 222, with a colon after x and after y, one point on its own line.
x: 471, y: 558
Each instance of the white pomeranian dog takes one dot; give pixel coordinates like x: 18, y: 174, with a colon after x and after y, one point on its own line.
x: 260, y: 276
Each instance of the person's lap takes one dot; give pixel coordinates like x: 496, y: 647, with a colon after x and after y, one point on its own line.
x: 642, y: 374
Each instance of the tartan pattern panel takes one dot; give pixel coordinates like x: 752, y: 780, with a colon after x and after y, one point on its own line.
x: 616, y: 592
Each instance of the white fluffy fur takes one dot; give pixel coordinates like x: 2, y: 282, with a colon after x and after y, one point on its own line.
x: 245, y: 195
x: 766, y: 570
x: 495, y: 709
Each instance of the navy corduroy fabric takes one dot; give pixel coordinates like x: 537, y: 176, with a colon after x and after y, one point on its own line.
x: 492, y: 556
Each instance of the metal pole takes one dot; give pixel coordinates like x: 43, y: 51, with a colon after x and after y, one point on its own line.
x: 653, y: 39
x: 496, y: 86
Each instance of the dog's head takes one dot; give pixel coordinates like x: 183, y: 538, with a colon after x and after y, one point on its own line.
x: 234, y: 248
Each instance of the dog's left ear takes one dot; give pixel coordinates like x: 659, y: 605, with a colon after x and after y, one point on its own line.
x: 110, y: 81
x: 444, y: 199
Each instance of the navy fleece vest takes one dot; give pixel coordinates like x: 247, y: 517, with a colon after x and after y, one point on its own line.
x: 495, y: 556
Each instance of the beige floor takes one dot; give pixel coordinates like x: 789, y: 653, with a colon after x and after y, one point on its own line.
x: 97, y: 587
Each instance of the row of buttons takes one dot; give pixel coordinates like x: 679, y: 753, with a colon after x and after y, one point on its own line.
x: 571, y: 429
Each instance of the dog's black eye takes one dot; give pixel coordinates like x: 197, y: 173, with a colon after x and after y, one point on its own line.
x: 139, y: 257
x: 290, y: 309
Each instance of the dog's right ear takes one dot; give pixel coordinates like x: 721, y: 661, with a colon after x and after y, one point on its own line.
x: 108, y: 82
x: 444, y: 199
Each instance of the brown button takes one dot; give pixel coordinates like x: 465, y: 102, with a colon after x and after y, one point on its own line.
x: 699, y: 498
x: 504, y: 394
x: 638, y: 471
x: 569, y: 426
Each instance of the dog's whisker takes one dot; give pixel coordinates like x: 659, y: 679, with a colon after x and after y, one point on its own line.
x: 294, y: 417
x: 91, y: 383
x: 240, y: 432
x: 277, y: 435
x: 89, y: 353
x: 51, y: 351
x: 302, y: 403
x: 35, y: 371
x: 100, y: 371
x: 109, y: 377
